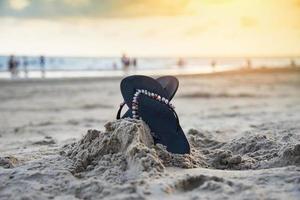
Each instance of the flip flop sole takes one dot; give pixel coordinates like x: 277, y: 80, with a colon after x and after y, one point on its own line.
x: 162, y: 122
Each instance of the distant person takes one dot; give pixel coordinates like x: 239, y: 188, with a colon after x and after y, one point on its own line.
x: 134, y: 63
x: 25, y: 66
x: 13, y: 66
x: 181, y: 63
x: 114, y: 66
x: 248, y: 64
x: 42, y: 66
x: 293, y: 63
x: 10, y: 63
x: 125, y: 62
x: 213, y: 65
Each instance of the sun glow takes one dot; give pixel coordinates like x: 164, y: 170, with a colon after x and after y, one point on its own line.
x: 184, y: 28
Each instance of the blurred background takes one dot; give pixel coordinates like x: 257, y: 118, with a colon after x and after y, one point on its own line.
x: 68, y: 38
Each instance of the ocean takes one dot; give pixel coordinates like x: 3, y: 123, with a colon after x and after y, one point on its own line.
x: 60, y: 67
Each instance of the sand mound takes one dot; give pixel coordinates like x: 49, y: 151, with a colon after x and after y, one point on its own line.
x: 254, y: 150
x: 124, y: 151
x: 125, y: 146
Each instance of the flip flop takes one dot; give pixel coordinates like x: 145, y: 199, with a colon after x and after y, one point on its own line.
x: 169, y: 84
x: 148, y: 101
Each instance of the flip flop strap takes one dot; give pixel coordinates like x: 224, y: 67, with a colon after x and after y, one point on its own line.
x: 123, y: 103
x: 151, y: 95
x: 120, y: 109
x: 135, y: 103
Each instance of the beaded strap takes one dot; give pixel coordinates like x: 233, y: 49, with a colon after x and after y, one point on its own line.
x: 135, y: 103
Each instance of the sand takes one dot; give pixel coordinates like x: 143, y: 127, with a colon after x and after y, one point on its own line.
x: 59, y: 140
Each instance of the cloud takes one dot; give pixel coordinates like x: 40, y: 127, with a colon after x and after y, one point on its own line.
x: 77, y: 3
x: 90, y: 8
x: 18, y: 4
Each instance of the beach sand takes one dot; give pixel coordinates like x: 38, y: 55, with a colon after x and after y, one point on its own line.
x: 59, y: 140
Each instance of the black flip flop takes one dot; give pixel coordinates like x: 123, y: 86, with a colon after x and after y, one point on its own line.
x: 169, y: 84
x: 147, y: 100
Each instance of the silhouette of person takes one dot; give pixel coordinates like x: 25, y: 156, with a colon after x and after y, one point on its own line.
x: 248, y: 63
x: 114, y: 66
x: 25, y: 66
x: 134, y: 63
x: 13, y: 66
x: 125, y: 61
x: 42, y: 66
x: 213, y: 65
x: 180, y: 62
x: 293, y: 63
x: 10, y: 63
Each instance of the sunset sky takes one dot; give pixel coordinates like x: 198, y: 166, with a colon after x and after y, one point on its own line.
x: 150, y: 27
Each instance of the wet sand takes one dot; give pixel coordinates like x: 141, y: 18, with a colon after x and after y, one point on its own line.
x: 59, y: 140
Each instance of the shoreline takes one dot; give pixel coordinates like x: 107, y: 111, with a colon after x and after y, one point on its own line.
x: 261, y: 70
